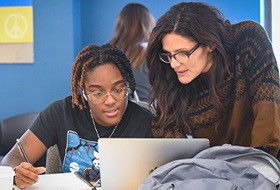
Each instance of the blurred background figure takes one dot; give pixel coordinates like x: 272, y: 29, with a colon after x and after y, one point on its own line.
x: 133, y: 27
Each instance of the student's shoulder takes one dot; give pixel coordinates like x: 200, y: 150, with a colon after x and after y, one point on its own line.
x: 61, y: 103
x: 247, y: 24
x: 140, y: 107
x: 248, y: 28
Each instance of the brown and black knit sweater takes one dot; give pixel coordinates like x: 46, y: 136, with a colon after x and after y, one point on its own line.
x: 251, y: 96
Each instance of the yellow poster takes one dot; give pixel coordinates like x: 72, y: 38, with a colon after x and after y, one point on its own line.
x: 16, y: 24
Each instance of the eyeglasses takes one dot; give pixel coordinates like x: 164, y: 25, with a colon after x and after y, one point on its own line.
x: 182, y: 56
x: 118, y: 94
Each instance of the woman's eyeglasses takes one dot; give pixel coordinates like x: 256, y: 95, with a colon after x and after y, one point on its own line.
x: 182, y: 56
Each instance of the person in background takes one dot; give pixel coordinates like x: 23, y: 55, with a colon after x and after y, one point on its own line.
x: 213, y: 79
x: 100, y: 107
x: 133, y: 27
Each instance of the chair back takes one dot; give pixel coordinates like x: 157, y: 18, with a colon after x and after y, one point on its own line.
x: 13, y: 128
x: 53, y: 161
x: 2, y: 153
x: 146, y: 105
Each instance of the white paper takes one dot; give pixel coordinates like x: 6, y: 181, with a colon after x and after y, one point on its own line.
x: 60, y: 181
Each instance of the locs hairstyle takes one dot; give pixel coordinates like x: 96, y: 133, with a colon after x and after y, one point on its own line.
x: 93, y: 56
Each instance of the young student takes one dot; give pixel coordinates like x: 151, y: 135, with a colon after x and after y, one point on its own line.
x: 214, y: 79
x: 133, y: 28
x: 100, y: 107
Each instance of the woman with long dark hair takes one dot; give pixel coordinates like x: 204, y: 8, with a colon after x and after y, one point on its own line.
x: 214, y: 79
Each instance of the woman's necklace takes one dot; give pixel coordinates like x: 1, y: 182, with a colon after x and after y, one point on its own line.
x: 93, y: 122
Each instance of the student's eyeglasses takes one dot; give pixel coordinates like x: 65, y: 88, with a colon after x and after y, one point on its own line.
x: 119, y: 93
x: 182, y: 56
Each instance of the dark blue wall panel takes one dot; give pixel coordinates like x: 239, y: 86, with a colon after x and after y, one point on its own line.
x: 99, y: 17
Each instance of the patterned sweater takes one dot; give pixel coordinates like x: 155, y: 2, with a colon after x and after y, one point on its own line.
x: 251, y: 96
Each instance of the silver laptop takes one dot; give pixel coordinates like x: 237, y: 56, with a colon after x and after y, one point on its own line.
x: 126, y: 162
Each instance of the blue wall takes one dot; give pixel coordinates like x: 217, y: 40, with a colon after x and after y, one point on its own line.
x: 61, y: 29
x: 103, y: 14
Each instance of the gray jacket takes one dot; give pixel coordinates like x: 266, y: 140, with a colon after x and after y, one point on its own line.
x: 222, y: 167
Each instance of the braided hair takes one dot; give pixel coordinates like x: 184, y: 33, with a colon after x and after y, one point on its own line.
x: 93, y: 56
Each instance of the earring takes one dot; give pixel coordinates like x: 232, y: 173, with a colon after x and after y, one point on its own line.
x: 84, y: 94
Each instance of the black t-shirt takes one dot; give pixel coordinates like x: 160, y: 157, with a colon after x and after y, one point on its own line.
x: 73, y: 132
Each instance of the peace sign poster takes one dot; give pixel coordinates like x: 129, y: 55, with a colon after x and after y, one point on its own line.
x: 16, y: 21
x: 16, y: 32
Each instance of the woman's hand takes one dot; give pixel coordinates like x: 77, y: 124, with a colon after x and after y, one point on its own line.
x: 26, y: 174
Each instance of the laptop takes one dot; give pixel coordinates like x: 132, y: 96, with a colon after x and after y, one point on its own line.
x: 126, y: 162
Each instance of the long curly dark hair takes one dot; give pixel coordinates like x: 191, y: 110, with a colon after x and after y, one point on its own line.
x: 93, y: 56
x: 174, y: 101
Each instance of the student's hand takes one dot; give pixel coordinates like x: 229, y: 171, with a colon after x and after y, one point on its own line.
x: 26, y: 174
